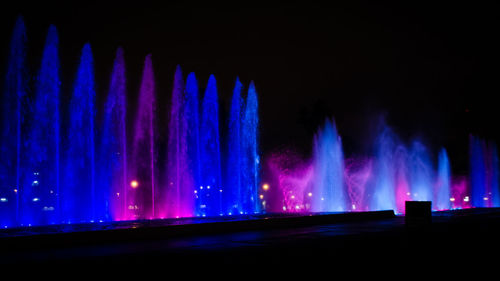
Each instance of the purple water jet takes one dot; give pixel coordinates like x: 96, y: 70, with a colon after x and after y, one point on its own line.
x: 141, y: 194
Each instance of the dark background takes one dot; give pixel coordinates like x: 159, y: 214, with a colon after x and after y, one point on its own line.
x: 430, y: 69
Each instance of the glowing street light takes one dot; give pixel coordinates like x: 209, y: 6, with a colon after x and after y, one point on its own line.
x: 134, y: 184
x: 265, y: 187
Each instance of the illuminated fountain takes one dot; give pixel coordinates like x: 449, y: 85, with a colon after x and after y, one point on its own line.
x: 79, y: 201
x: 192, y: 116
x: 11, y: 142
x: 395, y: 173
x: 443, y: 183
x: 142, y: 193
x: 41, y: 168
x: 61, y: 164
x: 483, y: 173
x: 234, y: 197
x: 250, y: 157
x: 328, y: 183
x: 82, y: 170
x: 210, y: 189
x: 70, y: 163
x: 112, y: 157
x: 243, y: 166
x: 180, y: 185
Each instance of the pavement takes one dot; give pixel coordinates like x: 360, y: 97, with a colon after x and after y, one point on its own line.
x: 462, y: 237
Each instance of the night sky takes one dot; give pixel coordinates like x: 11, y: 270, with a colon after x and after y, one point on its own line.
x: 431, y: 70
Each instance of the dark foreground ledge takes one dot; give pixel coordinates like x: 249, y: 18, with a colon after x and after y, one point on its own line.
x: 137, y: 231
x: 464, y: 238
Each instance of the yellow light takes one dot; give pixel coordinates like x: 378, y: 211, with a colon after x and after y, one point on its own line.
x: 261, y: 196
x: 293, y: 196
x: 134, y: 184
x: 452, y: 199
x: 310, y: 194
x: 265, y: 187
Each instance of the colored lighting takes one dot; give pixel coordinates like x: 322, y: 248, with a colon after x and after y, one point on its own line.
x: 86, y: 178
x: 396, y: 172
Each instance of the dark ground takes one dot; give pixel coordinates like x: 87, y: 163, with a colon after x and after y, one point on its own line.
x: 461, y: 237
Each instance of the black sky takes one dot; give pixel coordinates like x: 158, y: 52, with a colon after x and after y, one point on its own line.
x: 430, y: 68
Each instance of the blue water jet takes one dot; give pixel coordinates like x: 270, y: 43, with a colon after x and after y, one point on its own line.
x: 179, y: 183
x: 384, y: 185
x: 112, y: 158
x: 40, y: 177
x: 79, y: 201
x: 234, y: 174
x: 192, y: 113
x: 421, y: 173
x: 483, y: 173
x: 12, y: 119
x: 443, y: 194
x: 251, y: 156
x: 210, y: 189
x: 328, y: 188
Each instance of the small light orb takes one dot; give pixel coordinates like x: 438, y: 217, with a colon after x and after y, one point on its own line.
x: 134, y: 184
